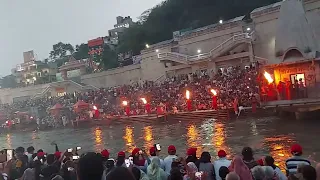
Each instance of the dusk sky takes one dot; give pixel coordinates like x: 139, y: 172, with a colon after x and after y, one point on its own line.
x: 38, y: 24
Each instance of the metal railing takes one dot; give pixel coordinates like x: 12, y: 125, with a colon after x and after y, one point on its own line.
x: 212, y: 53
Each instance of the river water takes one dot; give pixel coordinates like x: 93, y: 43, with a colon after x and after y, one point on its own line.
x: 270, y: 135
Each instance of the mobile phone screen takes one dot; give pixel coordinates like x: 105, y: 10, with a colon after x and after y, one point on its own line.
x: 75, y: 157
x: 127, y: 161
x: 9, y: 154
x: 158, y: 147
x: 70, y: 150
x: 131, y: 160
x: 78, y: 148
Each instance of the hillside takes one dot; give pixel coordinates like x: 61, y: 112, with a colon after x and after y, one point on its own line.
x: 173, y: 15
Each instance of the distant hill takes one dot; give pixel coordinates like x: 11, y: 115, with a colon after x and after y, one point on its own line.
x: 173, y: 15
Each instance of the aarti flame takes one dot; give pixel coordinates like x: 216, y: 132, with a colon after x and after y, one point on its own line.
x: 188, y: 94
x: 268, y: 77
x: 125, y: 103
x: 144, y: 100
x: 214, y: 92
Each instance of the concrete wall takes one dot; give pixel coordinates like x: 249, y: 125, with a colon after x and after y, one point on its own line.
x: 114, y: 77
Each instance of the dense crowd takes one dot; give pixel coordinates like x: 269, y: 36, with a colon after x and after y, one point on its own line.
x: 139, y: 165
x: 230, y: 83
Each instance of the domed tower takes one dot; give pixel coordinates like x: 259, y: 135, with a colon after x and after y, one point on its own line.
x: 295, y: 38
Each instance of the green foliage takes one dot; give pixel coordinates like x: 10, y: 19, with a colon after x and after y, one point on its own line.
x: 60, y: 50
x: 108, y: 59
x: 173, y: 15
x: 81, y: 51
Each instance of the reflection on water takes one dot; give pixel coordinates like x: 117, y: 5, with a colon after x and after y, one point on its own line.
x: 128, y: 138
x: 9, y: 144
x: 219, y: 138
x: 98, y: 140
x: 148, y: 138
x: 193, y: 139
x: 267, y: 136
x: 279, y: 149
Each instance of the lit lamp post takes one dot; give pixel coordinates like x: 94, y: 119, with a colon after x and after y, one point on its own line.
x: 127, y: 107
x: 189, y: 106
x: 214, y: 99
x: 146, y: 106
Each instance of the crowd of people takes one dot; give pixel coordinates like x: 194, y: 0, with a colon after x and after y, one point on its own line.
x: 231, y: 83
x: 139, y: 165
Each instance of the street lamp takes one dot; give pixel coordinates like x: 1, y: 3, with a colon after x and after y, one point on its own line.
x: 221, y: 21
x: 147, y: 46
x: 157, y: 50
x: 199, y: 51
x: 248, y: 29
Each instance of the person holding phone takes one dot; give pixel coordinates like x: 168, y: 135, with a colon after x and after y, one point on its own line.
x: 139, y: 159
x: 154, y: 153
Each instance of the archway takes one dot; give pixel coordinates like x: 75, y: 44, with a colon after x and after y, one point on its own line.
x: 292, y: 54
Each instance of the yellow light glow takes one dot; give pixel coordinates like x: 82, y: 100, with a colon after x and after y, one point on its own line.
x: 125, y: 103
x: 268, y: 77
x: 148, y: 137
x: 98, y: 139
x: 188, y: 94
x: 128, y: 138
x: 214, y: 92
x: 193, y: 139
x: 144, y: 100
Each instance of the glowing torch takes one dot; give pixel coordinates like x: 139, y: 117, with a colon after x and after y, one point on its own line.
x: 189, y: 106
x: 214, y: 99
x: 127, y: 108
x: 146, y: 106
x: 268, y: 77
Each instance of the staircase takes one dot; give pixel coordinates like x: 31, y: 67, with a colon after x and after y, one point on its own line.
x: 215, y: 52
x: 200, y: 115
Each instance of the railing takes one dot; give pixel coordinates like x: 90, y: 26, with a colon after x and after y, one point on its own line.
x: 75, y: 83
x: 160, y: 79
x: 212, y: 53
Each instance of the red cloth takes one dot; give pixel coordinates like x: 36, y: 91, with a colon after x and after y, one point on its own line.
x: 191, y: 151
x: 189, y: 106
x: 40, y: 154
x: 214, y: 102
x: 222, y: 153
x: 105, y: 153
x: 148, y: 108
x: 171, y: 148
x: 152, y: 150
x: 296, y: 148
x: 121, y: 154
x: 57, y: 154
x: 135, y: 151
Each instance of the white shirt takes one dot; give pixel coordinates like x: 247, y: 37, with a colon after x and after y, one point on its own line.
x: 167, y: 163
x: 218, y: 164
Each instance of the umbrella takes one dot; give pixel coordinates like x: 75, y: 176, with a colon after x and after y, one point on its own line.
x: 81, y: 105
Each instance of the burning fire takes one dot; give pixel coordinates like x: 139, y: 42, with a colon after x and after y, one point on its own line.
x: 268, y: 77
x: 125, y: 103
x: 144, y: 100
x: 214, y: 92
x: 95, y: 108
x: 188, y: 94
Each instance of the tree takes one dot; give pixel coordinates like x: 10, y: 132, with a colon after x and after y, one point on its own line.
x: 108, y: 59
x: 81, y: 51
x: 60, y: 50
x: 173, y: 15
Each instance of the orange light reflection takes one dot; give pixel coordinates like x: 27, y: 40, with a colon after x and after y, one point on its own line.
x: 192, y: 139
x: 128, y: 138
x: 218, y: 138
x: 279, y: 149
x: 98, y: 140
x: 148, y: 137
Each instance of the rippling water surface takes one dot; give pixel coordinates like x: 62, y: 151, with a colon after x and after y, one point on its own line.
x: 269, y: 135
